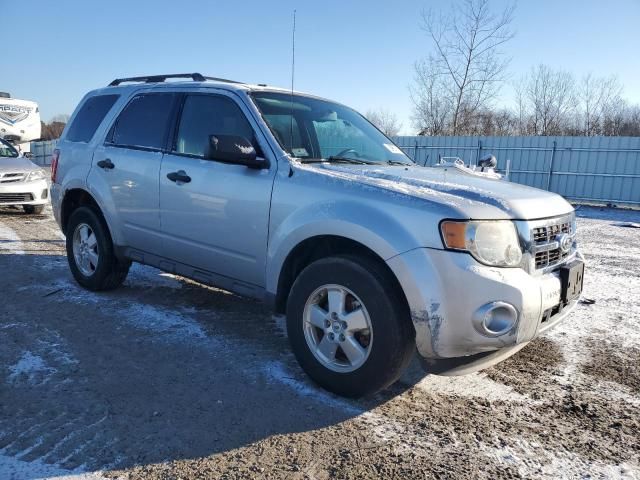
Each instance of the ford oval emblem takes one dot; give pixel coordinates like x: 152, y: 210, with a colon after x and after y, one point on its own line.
x: 565, y: 242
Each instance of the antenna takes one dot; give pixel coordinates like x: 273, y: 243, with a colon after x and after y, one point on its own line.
x: 293, y: 73
x: 293, y: 51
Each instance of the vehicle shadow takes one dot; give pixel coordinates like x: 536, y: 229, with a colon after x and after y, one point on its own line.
x: 160, y: 369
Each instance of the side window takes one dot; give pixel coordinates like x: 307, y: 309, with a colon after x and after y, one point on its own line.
x: 206, y: 115
x: 144, y: 121
x: 89, y: 117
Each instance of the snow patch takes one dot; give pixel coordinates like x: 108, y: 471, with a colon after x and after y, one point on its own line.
x: 10, y: 242
x: 474, y: 385
x: 535, y: 461
x: 31, y: 368
x: 15, y: 469
x: 276, y: 371
x: 149, y: 277
x: 280, y: 322
x: 163, y: 321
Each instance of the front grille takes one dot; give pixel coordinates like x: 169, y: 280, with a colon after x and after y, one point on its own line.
x: 15, y: 197
x: 550, y: 257
x: 548, y: 233
x: 545, y: 247
x: 12, y: 177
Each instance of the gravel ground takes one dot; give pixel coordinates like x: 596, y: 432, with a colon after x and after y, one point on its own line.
x: 165, y: 378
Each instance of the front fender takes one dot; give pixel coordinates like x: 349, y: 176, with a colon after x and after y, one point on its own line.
x: 357, y: 221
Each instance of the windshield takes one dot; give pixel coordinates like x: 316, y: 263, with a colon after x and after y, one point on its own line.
x: 317, y: 130
x: 7, y: 150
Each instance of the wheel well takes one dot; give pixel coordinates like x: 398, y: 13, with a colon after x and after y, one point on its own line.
x: 73, y: 199
x: 315, y: 248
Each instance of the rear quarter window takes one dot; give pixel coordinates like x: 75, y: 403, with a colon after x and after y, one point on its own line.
x: 89, y: 117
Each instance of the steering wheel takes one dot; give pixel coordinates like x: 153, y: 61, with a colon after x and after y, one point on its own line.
x: 346, y: 151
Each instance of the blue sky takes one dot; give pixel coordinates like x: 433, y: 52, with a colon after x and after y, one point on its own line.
x: 358, y: 52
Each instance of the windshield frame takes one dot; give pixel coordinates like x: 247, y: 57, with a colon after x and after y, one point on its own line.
x: 254, y: 94
x: 10, y: 147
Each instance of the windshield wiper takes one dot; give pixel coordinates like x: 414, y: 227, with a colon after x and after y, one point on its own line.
x: 337, y: 159
x: 398, y: 162
x: 357, y: 161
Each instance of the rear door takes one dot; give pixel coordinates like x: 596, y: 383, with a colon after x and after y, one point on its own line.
x: 218, y: 221
x: 129, y: 163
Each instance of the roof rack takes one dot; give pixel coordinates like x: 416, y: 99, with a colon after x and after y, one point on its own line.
x: 196, y: 77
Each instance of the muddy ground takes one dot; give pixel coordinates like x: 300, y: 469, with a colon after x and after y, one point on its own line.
x: 165, y: 378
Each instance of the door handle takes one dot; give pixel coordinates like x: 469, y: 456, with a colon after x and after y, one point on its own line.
x: 106, y: 164
x: 179, y: 177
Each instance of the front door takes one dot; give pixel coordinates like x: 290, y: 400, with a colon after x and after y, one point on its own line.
x: 215, y: 216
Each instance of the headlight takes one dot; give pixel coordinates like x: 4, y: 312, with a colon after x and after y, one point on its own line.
x: 493, y: 243
x: 36, y: 175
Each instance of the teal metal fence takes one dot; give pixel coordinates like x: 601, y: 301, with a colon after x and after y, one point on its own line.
x: 589, y: 169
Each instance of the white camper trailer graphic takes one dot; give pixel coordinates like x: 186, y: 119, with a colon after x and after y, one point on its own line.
x: 19, y: 120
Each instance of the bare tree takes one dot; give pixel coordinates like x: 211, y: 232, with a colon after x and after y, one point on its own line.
x: 600, y: 98
x: 521, y: 108
x: 432, y: 104
x: 385, y: 120
x: 631, y: 122
x: 505, y: 123
x: 467, y: 67
x: 60, y: 118
x: 53, y: 129
x: 550, y: 97
x: 624, y: 120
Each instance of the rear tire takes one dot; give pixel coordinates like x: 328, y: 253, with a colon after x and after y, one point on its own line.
x: 33, y: 209
x: 90, y: 252
x: 322, y: 336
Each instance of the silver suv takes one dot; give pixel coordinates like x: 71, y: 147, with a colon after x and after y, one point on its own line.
x: 302, y: 202
x: 22, y: 182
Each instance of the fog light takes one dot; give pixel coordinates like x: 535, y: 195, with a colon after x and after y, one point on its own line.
x: 495, y: 319
x: 45, y: 194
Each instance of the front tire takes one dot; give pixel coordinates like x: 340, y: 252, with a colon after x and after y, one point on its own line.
x: 90, y: 252
x: 349, y: 326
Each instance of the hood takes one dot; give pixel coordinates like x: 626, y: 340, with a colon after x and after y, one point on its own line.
x: 471, y: 196
x: 19, y: 164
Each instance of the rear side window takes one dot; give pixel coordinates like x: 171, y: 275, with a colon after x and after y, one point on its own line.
x: 89, y: 117
x: 144, y: 121
x: 206, y: 115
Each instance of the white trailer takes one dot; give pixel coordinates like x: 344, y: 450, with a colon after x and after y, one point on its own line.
x: 19, y: 121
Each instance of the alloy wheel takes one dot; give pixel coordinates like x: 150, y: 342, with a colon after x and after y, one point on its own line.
x: 337, y: 328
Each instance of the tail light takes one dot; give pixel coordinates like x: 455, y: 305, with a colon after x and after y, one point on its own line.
x: 55, y: 156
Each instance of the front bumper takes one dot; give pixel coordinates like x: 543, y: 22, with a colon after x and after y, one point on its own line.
x: 444, y: 290
x: 24, y: 193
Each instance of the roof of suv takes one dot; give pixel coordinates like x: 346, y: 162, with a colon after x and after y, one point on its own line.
x: 196, y: 80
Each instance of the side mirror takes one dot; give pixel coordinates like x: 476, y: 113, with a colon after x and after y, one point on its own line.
x: 234, y: 149
x: 28, y: 155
